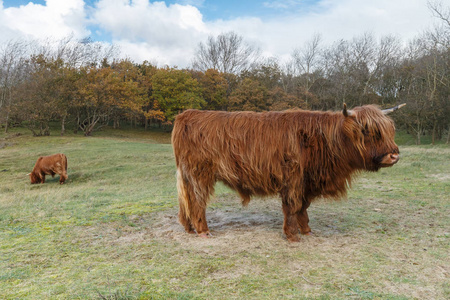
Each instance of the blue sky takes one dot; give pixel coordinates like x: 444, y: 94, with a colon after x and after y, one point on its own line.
x: 168, y: 32
x: 231, y: 9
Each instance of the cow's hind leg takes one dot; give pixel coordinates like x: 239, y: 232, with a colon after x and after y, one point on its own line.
x: 184, y: 217
x: 202, y: 188
x: 184, y: 220
x: 193, y: 199
x: 184, y: 200
x: 197, y: 215
x: 199, y: 222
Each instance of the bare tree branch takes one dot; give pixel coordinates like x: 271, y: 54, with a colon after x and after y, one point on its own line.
x: 226, y: 53
x: 440, y: 11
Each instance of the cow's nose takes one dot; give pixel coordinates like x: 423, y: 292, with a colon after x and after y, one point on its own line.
x: 395, y: 157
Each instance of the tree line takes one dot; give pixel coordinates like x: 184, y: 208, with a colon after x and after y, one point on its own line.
x: 84, y: 85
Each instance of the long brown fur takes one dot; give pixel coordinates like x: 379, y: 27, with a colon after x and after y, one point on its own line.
x: 50, y: 165
x: 300, y: 155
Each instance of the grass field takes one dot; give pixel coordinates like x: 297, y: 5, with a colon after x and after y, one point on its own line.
x: 111, y: 231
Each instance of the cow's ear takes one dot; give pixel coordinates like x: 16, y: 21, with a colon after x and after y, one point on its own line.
x: 347, y: 113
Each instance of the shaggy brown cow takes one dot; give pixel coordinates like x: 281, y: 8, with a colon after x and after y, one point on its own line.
x: 49, y: 165
x: 300, y: 155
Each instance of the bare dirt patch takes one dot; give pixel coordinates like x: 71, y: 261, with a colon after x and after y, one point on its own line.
x: 256, y: 228
x: 228, y: 220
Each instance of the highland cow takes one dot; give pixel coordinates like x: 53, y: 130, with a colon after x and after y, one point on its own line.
x: 49, y: 165
x: 299, y: 155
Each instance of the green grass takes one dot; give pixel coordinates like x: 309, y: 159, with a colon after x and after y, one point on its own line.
x: 407, y: 139
x: 111, y: 231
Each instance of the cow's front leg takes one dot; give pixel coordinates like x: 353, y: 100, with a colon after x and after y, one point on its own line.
x: 303, y: 219
x: 290, y: 225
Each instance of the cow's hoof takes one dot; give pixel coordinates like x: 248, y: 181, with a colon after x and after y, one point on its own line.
x: 294, y: 238
x: 308, y: 233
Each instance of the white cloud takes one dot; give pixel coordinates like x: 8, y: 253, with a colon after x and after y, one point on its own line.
x: 141, y: 51
x: 55, y: 19
x: 344, y: 19
x: 169, y: 32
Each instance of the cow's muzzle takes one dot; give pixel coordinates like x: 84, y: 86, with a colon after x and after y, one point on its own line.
x: 389, y: 159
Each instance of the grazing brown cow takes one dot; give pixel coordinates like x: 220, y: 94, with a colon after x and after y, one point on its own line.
x: 300, y: 155
x: 49, y: 165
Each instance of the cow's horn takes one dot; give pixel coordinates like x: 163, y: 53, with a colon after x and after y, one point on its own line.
x: 389, y: 110
x: 28, y: 174
x: 347, y: 112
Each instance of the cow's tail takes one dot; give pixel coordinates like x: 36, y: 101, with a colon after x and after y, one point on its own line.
x: 185, y: 202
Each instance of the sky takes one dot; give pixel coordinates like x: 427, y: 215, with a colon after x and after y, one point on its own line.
x: 169, y: 32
